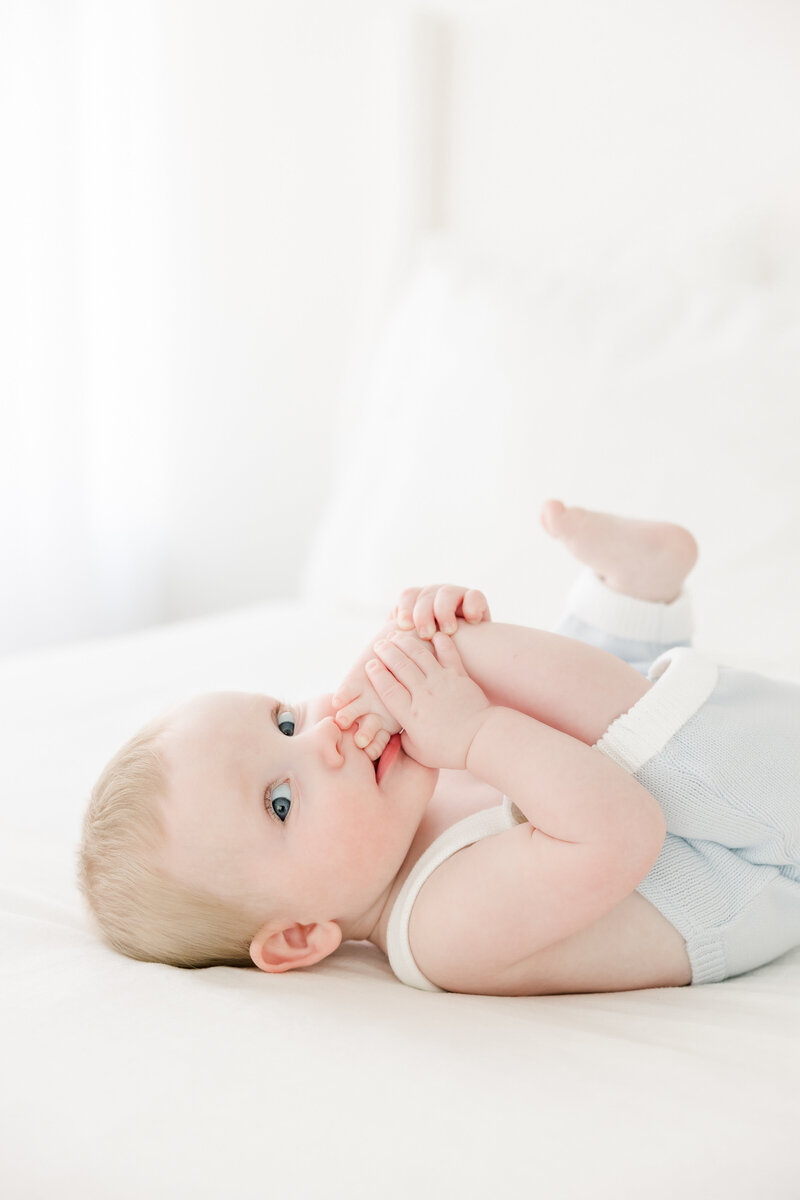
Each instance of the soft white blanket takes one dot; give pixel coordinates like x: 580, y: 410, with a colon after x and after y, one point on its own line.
x: 127, y: 1079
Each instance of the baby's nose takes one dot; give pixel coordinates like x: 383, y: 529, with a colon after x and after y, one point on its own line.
x: 331, y: 737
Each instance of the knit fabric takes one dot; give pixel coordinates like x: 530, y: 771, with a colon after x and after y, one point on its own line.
x: 728, y: 782
x: 727, y: 779
x: 634, y: 738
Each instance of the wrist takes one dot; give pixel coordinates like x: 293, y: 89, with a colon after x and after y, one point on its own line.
x: 479, y: 735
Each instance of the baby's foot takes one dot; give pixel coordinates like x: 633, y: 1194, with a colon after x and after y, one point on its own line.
x: 645, y: 559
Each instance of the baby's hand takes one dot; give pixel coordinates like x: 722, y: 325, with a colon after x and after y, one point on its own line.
x: 438, y: 705
x: 355, y: 698
x: 375, y: 724
x: 438, y: 606
x: 358, y: 703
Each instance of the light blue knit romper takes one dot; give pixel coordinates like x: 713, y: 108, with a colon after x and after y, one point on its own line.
x: 728, y: 781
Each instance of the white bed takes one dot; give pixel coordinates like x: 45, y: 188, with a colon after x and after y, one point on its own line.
x: 663, y: 387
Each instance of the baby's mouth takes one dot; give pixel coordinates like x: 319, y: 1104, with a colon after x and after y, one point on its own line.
x: 390, y: 752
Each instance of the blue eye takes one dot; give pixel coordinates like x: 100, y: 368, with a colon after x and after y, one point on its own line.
x: 279, y: 805
x: 285, y: 718
x: 278, y: 797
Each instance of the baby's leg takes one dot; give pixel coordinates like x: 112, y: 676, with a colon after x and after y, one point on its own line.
x: 630, y: 599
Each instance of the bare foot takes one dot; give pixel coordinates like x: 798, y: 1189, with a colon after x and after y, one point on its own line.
x: 645, y: 559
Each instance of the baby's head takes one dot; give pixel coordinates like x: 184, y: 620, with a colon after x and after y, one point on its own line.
x: 142, y: 910
x: 236, y: 829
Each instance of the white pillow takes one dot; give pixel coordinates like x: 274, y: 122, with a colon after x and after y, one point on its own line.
x: 670, y: 396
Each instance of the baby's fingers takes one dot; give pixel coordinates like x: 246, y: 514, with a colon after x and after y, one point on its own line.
x: 368, y: 728
x: 447, y: 653
x: 428, y: 609
x: 345, y: 716
x: 392, y: 695
x: 404, y: 610
x: 439, y: 606
x: 378, y: 744
x: 475, y: 607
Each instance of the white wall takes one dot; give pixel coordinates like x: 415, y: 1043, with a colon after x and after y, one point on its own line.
x: 635, y: 128
x: 206, y: 206
x: 274, y: 210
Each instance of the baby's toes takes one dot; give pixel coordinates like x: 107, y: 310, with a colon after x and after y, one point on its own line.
x: 368, y: 727
x: 378, y: 744
x: 552, y: 518
x: 344, y: 717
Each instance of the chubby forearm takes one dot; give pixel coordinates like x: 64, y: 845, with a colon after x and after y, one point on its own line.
x: 565, y: 788
x: 566, y: 684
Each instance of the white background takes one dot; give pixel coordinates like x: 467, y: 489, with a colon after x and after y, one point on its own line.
x: 208, y: 210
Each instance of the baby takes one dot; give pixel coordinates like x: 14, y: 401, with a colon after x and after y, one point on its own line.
x: 501, y: 810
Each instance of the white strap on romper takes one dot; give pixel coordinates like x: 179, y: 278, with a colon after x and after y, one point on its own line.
x: 472, y: 829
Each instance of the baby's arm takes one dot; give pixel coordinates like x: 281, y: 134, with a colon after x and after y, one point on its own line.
x: 593, y: 832
x: 565, y: 789
x: 569, y: 685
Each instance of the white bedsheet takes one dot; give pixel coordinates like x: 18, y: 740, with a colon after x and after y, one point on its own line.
x: 128, y: 1079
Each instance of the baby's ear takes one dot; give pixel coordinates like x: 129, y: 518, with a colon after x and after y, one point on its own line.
x: 282, y: 949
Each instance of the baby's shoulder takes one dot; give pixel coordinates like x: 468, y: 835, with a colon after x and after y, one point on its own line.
x: 470, y: 909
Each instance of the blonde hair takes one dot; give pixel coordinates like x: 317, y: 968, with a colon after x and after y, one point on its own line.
x: 140, y: 910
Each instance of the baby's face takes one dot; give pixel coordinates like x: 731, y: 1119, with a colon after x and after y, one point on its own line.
x: 274, y: 806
